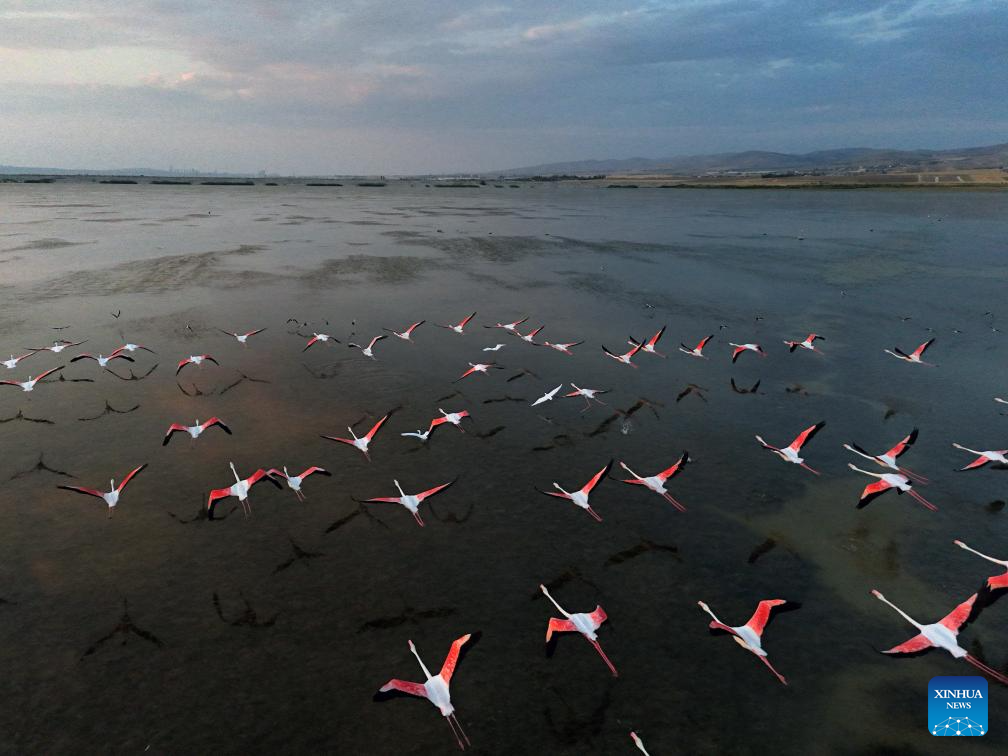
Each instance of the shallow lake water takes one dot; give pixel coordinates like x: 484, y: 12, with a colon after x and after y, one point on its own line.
x: 275, y: 631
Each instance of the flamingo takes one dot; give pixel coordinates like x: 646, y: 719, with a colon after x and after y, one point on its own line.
x: 588, y: 394
x: 242, y: 338
x: 750, y: 635
x: 362, y: 442
x: 548, y: 396
x: 790, y: 453
x: 111, y: 497
x: 407, y: 334
x: 195, y: 359
x: 529, y: 337
x: 649, y: 345
x: 808, y: 343
x: 584, y: 623
x: 996, y: 582
x: 453, y: 418
x: 58, y: 346
x: 696, y: 351
x: 639, y: 743
x: 435, y: 689
x: 886, y: 481
x: 624, y: 358
x: 102, y: 360
x: 494, y: 348
x: 294, y: 481
x: 367, y: 350
x: 194, y: 431
x: 512, y: 327
x: 131, y: 347
x: 888, y: 460
x: 983, y: 457
x: 479, y: 367
x: 656, y: 482
x: 410, y: 501
x: 319, y: 337
x: 739, y: 348
x: 997, y: 399
x: 460, y: 327
x: 29, y: 385
x: 13, y: 361
x: 565, y: 348
x: 580, y: 497
x: 941, y: 634
x: 914, y: 356
x: 240, y: 489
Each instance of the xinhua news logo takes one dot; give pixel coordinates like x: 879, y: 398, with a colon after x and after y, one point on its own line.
x: 957, y: 706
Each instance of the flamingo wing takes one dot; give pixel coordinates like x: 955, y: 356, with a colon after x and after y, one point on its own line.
x: 253, y: 333
x: 259, y: 475
x: 871, y: 492
x: 654, y: 339
x: 466, y: 320
x: 341, y: 440
x: 596, y: 478
x: 557, y: 494
x: 958, y: 616
x: 671, y: 471
x: 315, y: 469
x: 609, y: 353
x: 48, y: 372
x: 383, y: 500
x: 919, y: 351
x: 182, y: 364
x: 84, y: 357
x: 215, y: 495
x: 448, y: 668
x: 761, y: 616
x: 130, y: 477
x: 216, y: 421
x: 597, y: 617
x: 468, y: 372
x: 978, y: 462
x: 912, y: 646
x: 412, y: 688
x: 557, y: 625
x: 79, y: 489
x: 805, y: 436
x: 310, y: 342
x: 173, y: 428
x: 903, y: 445
x: 431, y: 491
x: 737, y: 352
x: 415, y: 325
x: 370, y: 433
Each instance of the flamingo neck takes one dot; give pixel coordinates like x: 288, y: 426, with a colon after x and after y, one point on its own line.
x: 553, y: 601
x: 422, y: 665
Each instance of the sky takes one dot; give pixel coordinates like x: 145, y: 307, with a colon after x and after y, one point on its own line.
x: 429, y: 86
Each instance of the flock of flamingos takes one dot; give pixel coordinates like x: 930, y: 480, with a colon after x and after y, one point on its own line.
x: 436, y: 687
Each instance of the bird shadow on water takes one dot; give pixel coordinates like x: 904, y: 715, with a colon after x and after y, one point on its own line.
x: 125, y: 628
x: 246, y: 618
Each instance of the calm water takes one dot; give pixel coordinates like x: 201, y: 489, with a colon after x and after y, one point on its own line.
x: 867, y: 270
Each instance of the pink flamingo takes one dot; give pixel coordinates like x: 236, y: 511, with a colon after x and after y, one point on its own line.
x: 995, y: 582
x: 580, y: 497
x: 586, y: 624
x: 914, y: 356
x: 790, y: 453
x: 750, y: 635
x: 410, y: 501
x: 656, y: 482
x: 362, y: 442
x: 888, y: 459
x: 886, y: 481
x: 111, y: 497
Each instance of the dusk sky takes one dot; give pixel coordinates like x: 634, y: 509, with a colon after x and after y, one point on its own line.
x: 412, y: 86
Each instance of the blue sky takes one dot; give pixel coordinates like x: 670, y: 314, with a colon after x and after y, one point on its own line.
x: 400, y: 86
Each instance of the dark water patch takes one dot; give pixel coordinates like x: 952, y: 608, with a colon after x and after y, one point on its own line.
x: 43, y: 244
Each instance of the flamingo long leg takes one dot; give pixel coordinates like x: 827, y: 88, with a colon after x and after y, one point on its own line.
x: 921, y: 500
x: 770, y: 667
x: 986, y: 670
x: 911, y: 474
x: 458, y: 725
x: 673, y: 502
x: 457, y: 738
x: 816, y: 472
x: 605, y: 658
x: 416, y: 516
x: 593, y: 513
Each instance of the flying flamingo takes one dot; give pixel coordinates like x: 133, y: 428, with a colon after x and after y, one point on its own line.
x: 362, y: 442
x: 656, y: 482
x: 914, y: 356
x: 453, y: 418
x: 580, y: 497
x: 294, y: 481
x: 435, y: 689
x: 548, y: 396
x: 194, y: 430
x: 588, y: 394
x: 240, y: 489
x: 996, y: 582
x: 195, y: 359
x: 888, y: 460
x: 494, y: 348
x: 886, y: 481
x: 29, y: 385
x: 131, y: 347
x: 58, y: 346
x: 649, y: 345
x: 479, y: 367
x: 242, y: 338
x: 696, y: 351
x: 624, y: 358
x: 983, y: 457
x: 512, y: 327
x: 13, y: 361
x: 112, y: 496
x: 102, y: 360
x: 460, y: 327
x: 584, y: 623
x: 790, y: 453
x: 319, y: 337
x: 367, y: 350
x: 739, y: 348
x: 808, y: 343
x: 407, y: 334
x: 565, y: 348
x: 750, y: 635
x: 639, y: 743
x: 529, y: 337
x: 410, y: 501
x: 941, y: 634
